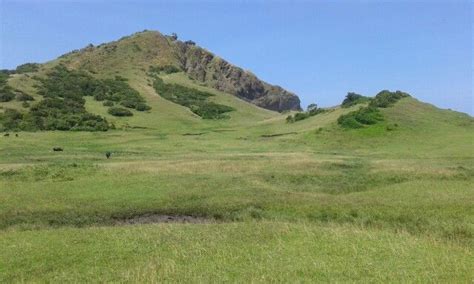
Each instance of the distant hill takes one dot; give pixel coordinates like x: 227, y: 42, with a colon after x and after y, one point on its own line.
x: 151, y: 48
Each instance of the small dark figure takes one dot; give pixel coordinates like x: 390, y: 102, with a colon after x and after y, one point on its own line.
x: 57, y: 149
x: 6, y: 134
x: 108, y: 154
x: 16, y: 134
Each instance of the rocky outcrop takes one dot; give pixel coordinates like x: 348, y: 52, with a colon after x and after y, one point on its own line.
x: 205, y: 67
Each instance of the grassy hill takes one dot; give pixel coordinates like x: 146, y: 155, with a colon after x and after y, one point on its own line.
x: 247, y: 198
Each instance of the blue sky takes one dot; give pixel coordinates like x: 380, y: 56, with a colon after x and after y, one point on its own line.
x: 318, y: 49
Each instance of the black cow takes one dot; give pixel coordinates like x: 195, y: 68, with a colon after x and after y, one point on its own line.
x: 108, y: 154
x: 57, y: 149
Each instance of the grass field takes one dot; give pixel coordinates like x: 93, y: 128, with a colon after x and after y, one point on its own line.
x: 277, y: 202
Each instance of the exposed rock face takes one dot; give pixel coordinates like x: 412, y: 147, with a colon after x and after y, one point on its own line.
x: 217, y: 73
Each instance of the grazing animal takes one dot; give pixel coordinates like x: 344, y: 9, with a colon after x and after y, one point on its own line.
x: 6, y: 134
x: 16, y: 134
x: 57, y: 149
x: 108, y: 154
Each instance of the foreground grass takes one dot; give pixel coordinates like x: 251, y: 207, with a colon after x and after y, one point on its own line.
x: 435, y: 199
x: 244, y: 252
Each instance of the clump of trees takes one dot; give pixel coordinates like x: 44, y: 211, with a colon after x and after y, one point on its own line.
x: 371, y: 114
x: 386, y: 98
x: 354, y: 99
x: 119, y: 111
x: 195, y: 100
x: 360, y: 118
x: 63, y: 106
x: 311, y: 110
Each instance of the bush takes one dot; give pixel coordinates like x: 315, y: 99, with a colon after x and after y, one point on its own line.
x: 210, y: 110
x: 142, y: 107
x: 108, y: 103
x: 312, y: 110
x: 6, y: 95
x: 386, y: 98
x: 354, y: 99
x: 22, y: 97
x: 301, y: 115
x: 119, y: 111
x: 360, y: 118
x: 129, y: 104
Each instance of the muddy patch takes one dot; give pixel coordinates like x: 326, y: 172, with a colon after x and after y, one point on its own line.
x: 163, y: 218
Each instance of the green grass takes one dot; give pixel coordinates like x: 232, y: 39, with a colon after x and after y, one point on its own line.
x: 235, y: 252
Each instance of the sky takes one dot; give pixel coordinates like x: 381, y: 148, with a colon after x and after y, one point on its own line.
x: 319, y: 50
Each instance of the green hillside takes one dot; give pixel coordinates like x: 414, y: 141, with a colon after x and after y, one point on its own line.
x: 246, y: 197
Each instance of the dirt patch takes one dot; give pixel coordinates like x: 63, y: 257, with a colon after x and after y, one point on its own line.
x: 163, y: 218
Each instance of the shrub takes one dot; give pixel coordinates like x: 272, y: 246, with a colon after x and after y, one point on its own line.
x: 386, y: 98
x: 210, y: 110
x: 312, y: 110
x: 361, y: 117
x: 290, y: 119
x: 354, y: 99
x: 129, y: 104
x: 119, y: 111
x: 142, y: 107
x: 108, y: 103
x: 6, y: 95
x: 25, y: 104
x: 22, y: 97
x: 301, y: 115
